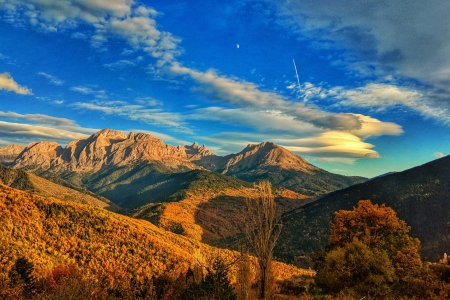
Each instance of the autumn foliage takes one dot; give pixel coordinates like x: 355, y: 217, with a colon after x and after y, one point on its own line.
x: 67, y: 250
x: 370, y: 254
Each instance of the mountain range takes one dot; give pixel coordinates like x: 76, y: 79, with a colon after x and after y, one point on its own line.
x: 188, y: 190
x: 135, y: 169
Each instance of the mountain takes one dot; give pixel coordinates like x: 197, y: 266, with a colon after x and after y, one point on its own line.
x: 135, y: 169
x: 105, y: 148
x: 268, y: 161
x: 102, y: 244
x: 9, y: 153
x: 29, y: 182
x: 420, y: 196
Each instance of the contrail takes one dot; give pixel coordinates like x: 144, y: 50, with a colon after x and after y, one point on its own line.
x: 296, y: 73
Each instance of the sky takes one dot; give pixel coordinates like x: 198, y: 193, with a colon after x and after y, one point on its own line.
x: 356, y: 87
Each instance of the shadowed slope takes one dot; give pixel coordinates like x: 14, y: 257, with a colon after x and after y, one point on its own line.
x: 420, y: 196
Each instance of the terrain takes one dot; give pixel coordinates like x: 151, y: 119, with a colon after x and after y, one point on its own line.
x: 184, y: 189
x: 54, y: 187
x: 188, y: 190
x: 50, y: 232
x: 120, y: 167
x: 420, y: 196
x: 271, y: 162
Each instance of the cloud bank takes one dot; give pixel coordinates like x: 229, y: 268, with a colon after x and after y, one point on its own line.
x: 406, y: 40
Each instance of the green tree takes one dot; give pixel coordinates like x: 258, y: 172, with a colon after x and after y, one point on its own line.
x: 370, y: 253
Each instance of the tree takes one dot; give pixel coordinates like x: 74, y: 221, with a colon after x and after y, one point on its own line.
x: 215, y: 285
x: 21, y: 274
x: 263, y: 233
x: 369, y: 252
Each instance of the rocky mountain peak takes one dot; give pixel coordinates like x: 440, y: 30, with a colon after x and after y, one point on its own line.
x: 9, y: 153
x: 11, y: 149
x: 109, y: 133
x: 196, y: 152
x: 38, y: 155
x: 266, y: 156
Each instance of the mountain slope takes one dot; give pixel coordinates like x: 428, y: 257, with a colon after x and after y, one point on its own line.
x: 50, y: 232
x: 268, y: 161
x: 420, y: 196
x: 29, y: 182
x: 211, y: 207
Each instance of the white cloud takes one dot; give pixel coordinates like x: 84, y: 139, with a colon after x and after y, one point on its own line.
x: 301, y: 137
x: 24, y: 134
x: 107, y: 18
x: 8, y: 83
x: 264, y: 121
x: 138, y: 112
x: 89, y: 91
x: 121, y: 64
x: 240, y: 93
x: 246, y: 94
x: 335, y: 144
x: 383, y: 96
x: 379, y: 96
x: 37, y: 118
x: 438, y: 154
x: 52, y: 79
x: 403, y: 39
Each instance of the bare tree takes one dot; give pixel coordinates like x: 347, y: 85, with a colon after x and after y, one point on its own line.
x: 263, y: 233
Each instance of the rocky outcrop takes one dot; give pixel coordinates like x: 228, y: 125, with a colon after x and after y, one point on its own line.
x: 196, y: 152
x: 9, y: 153
x: 107, y: 148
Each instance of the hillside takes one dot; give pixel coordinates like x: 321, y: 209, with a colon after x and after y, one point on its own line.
x: 210, y: 207
x: 37, y: 185
x: 50, y: 232
x: 420, y: 196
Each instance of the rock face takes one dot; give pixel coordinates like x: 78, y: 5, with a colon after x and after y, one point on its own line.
x: 9, y: 153
x: 106, y: 148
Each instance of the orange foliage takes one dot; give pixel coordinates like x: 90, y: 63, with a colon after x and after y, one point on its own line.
x: 53, y: 233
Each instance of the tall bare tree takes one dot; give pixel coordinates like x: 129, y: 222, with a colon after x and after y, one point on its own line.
x: 263, y: 233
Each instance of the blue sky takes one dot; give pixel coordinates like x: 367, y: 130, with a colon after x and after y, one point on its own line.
x: 374, y: 76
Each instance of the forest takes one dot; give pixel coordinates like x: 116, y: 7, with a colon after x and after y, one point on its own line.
x: 51, y: 249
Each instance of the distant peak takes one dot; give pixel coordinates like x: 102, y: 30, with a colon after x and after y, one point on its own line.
x: 268, y: 145
x: 108, y: 133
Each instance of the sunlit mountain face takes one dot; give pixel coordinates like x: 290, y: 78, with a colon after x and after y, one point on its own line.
x: 354, y: 88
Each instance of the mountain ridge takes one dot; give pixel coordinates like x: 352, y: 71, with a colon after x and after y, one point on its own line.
x: 418, y: 195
